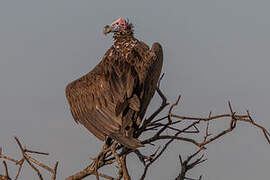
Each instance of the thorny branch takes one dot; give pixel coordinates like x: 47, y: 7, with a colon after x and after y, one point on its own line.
x: 172, y: 127
x: 33, y: 163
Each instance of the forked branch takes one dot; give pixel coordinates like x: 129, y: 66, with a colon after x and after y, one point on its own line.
x: 33, y: 163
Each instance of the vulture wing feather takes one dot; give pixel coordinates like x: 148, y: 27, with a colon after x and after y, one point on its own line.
x: 94, y: 98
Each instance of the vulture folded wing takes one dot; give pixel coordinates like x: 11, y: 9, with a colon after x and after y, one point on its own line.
x: 99, y: 99
x: 91, y: 104
x: 153, y: 64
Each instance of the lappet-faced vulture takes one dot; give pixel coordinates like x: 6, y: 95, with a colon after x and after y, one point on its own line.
x: 111, y: 100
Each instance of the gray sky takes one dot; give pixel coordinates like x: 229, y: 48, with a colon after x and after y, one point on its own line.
x: 214, y: 51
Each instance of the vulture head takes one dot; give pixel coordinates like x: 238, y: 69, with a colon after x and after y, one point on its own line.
x: 118, y: 25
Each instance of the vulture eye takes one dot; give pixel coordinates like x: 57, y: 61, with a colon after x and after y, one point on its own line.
x: 117, y: 23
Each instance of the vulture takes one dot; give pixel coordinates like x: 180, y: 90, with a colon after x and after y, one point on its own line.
x: 111, y: 100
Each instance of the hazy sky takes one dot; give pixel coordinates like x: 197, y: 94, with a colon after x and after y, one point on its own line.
x: 214, y: 51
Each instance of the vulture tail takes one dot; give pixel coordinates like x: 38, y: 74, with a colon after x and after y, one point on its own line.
x: 129, y: 142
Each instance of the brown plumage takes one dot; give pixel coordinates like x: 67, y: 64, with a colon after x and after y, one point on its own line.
x: 111, y: 100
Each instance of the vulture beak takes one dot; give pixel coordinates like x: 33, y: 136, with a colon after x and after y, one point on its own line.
x: 107, y: 29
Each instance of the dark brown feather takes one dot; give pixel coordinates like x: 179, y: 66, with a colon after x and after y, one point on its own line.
x: 115, y: 94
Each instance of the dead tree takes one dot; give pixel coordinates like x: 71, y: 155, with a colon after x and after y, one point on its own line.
x: 171, y: 127
x: 177, y: 126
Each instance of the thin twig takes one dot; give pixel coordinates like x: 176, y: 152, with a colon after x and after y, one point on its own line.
x: 35, y: 152
x: 6, y: 170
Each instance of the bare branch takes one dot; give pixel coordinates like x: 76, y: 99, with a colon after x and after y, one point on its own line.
x: 186, y: 165
x: 19, y: 169
x: 124, y: 167
x: 54, y: 171
x: 35, y: 152
x: 105, y: 176
x: 29, y: 160
x: 6, y: 170
x: 171, y: 108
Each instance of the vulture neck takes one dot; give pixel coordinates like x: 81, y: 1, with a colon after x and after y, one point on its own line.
x: 121, y: 39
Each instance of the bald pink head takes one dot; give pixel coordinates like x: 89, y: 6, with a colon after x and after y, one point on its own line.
x: 120, y: 22
x: 118, y: 25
